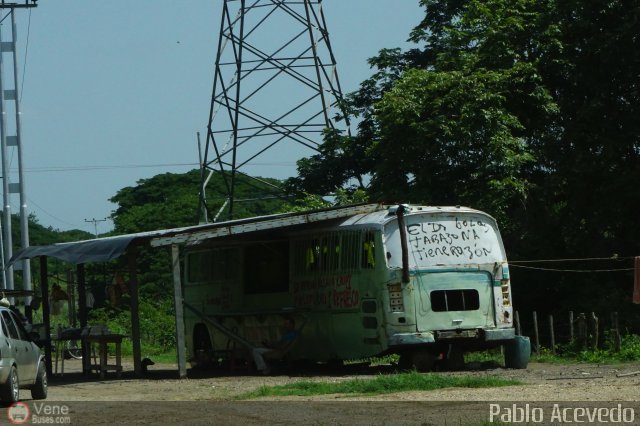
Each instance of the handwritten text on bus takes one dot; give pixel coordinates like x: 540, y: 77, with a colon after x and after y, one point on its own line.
x: 461, y: 239
x: 334, y: 291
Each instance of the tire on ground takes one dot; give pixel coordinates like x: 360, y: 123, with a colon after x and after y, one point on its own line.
x: 10, y: 391
x: 41, y: 387
x: 517, y: 353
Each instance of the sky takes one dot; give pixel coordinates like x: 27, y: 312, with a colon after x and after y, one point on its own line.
x: 115, y: 91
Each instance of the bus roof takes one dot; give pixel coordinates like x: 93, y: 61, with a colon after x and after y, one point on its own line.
x: 104, y: 249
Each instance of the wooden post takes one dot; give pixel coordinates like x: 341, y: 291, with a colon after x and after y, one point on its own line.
x: 517, y: 324
x: 177, y: 298
x: 536, y: 336
x: 135, y: 311
x: 571, y: 334
x: 616, y: 332
x: 581, y: 330
x: 71, y: 302
x: 595, y: 329
x: 82, y: 314
x: 46, y: 315
x: 82, y: 296
x: 552, y: 334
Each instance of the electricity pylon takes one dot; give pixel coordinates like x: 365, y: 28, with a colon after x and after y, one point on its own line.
x: 275, y: 89
x: 10, y: 136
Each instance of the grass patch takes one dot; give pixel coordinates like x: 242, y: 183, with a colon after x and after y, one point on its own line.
x: 382, y: 384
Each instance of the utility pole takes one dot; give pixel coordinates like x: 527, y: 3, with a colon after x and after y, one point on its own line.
x: 95, y: 224
x: 11, y: 137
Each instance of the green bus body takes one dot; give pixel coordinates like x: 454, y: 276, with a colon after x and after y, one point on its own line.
x: 342, y: 282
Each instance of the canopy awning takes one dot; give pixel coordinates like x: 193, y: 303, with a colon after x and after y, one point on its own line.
x: 109, y: 248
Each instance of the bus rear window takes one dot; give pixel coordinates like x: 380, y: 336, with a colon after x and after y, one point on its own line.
x: 455, y: 300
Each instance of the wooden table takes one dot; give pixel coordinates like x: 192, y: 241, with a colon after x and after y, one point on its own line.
x: 103, y: 341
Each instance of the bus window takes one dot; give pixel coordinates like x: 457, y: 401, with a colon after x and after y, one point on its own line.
x: 349, y: 251
x: 199, y: 266
x: 368, y: 251
x: 330, y: 252
x: 266, y: 268
x: 210, y: 265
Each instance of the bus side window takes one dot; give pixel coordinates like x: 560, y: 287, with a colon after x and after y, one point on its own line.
x: 349, y: 251
x: 368, y: 251
x: 330, y: 252
x: 312, y: 255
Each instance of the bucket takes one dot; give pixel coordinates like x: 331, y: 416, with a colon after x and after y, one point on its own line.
x: 517, y: 353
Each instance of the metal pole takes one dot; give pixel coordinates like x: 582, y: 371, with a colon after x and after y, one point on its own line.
x: 6, y: 211
x: 24, y: 215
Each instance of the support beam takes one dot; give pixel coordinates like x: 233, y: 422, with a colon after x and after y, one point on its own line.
x: 132, y: 256
x: 177, y: 298
x: 46, y: 316
x: 82, y: 311
x: 82, y: 297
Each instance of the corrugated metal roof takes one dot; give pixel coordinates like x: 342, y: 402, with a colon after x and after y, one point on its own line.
x: 105, y: 249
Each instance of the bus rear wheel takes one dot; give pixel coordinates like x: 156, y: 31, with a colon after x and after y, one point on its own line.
x: 421, y: 361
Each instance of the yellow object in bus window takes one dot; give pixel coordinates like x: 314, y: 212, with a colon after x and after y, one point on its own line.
x: 368, y: 247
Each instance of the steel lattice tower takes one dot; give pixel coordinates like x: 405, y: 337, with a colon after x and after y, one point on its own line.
x: 275, y: 88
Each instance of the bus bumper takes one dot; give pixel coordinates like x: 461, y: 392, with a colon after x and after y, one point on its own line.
x: 401, y: 339
x: 486, y: 335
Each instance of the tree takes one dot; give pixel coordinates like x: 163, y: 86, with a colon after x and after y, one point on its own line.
x: 527, y: 109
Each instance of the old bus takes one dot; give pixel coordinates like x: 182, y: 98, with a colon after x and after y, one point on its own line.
x: 426, y: 283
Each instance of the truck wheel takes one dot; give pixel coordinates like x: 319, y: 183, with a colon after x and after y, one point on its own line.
x: 10, y: 391
x: 40, y: 388
x: 517, y: 353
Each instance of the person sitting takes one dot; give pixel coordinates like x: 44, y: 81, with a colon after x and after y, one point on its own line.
x: 289, y: 335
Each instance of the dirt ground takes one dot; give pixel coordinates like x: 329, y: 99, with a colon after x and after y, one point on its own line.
x: 208, y: 398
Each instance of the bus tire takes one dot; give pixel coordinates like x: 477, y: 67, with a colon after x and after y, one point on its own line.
x: 423, y: 361
x: 202, y: 348
x: 405, y: 362
x: 454, y: 359
x: 517, y: 353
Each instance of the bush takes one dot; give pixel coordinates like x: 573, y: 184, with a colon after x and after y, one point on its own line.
x: 157, y: 325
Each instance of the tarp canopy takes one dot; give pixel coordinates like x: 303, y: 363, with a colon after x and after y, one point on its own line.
x: 98, y: 250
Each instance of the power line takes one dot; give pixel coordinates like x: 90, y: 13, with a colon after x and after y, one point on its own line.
x: 585, y: 259
x: 132, y: 166
x: 570, y: 270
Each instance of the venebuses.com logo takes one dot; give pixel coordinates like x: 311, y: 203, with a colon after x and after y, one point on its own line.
x: 20, y: 413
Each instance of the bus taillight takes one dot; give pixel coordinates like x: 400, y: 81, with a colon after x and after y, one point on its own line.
x: 504, y: 285
x: 396, y: 301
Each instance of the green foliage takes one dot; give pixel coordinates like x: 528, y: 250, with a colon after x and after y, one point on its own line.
x: 526, y: 109
x: 379, y: 385
x: 157, y: 325
x: 171, y: 200
x: 629, y: 351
